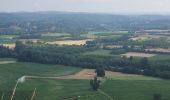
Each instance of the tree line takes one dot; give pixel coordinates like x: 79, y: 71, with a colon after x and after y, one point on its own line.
x: 72, y: 56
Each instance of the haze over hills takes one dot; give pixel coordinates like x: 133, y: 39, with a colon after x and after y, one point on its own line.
x: 80, y: 22
x: 84, y: 50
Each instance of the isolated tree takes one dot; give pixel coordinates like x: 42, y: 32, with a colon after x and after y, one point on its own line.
x: 157, y: 97
x: 100, y: 72
x: 94, y: 83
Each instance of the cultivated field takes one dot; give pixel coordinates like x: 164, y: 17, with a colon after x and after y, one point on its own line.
x: 7, y: 62
x: 70, y: 42
x: 114, y: 46
x: 99, y: 53
x: 159, y: 50
x: 9, y: 45
x: 137, y: 54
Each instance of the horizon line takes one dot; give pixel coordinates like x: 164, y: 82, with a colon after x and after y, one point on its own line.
x: 111, y: 13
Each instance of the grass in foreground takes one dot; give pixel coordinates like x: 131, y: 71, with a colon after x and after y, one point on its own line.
x: 119, y: 86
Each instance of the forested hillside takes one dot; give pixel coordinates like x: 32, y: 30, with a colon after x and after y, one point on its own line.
x: 18, y: 23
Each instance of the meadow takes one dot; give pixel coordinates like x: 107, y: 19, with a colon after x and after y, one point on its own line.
x: 114, y: 86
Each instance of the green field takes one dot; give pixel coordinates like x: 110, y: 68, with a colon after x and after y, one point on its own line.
x: 54, y: 36
x: 6, y: 39
x: 7, y: 59
x: 104, y: 34
x: 160, y: 58
x: 99, y: 53
x: 136, y: 89
x: 119, y: 86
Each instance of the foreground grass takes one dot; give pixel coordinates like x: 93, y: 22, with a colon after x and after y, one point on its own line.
x: 9, y: 73
x: 118, y: 86
x: 136, y: 89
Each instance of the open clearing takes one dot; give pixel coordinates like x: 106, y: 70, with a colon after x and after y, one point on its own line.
x: 55, y: 34
x: 137, y: 54
x: 9, y: 45
x: 159, y: 50
x: 114, y: 46
x: 7, y: 62
x: 70, y: 42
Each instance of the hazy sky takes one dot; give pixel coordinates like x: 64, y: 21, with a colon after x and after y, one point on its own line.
x: 107, y: 6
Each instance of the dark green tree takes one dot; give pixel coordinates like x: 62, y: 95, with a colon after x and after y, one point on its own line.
x: 94, y: 83
x: 100, y: 72
x: 131, y: 58
x: 157, y: 97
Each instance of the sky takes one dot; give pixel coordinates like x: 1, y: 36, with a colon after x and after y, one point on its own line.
x: 100, y: 6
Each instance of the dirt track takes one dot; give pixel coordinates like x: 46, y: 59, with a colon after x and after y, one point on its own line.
x: 137, y: 54
x: 85, y: 74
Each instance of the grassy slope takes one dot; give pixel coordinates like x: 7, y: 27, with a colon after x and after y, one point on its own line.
x: 9, y: 73
x: 119, y: 86
x: 136, y: 89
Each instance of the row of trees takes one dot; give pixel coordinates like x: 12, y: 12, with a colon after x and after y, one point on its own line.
x: 6, y: 52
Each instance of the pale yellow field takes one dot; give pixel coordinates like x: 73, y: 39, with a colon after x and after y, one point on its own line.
x: 70, y: 42
x: 114, y: 46
x: 159, y: 50
x: 9, y: 45
x: 145, y: 37
x: 32, y: 40
x: 139, y: 38
x: 7, y: 62
x: 137, y: 54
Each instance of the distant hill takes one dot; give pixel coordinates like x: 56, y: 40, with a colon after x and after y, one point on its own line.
x: 24, y: 22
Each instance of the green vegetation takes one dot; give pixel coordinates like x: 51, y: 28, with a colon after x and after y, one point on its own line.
x: 136, y: 89
x: 118, y: 86
x: 160, y: 58
x: 7, y: 59
x: 6, y: 41
x: 11, y: 72
x: 100, y: 52
x: 57, y: 61
x: 7, y: 36
x: 54, y: 36
x: 94, y: 84
x: 105, y: 34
